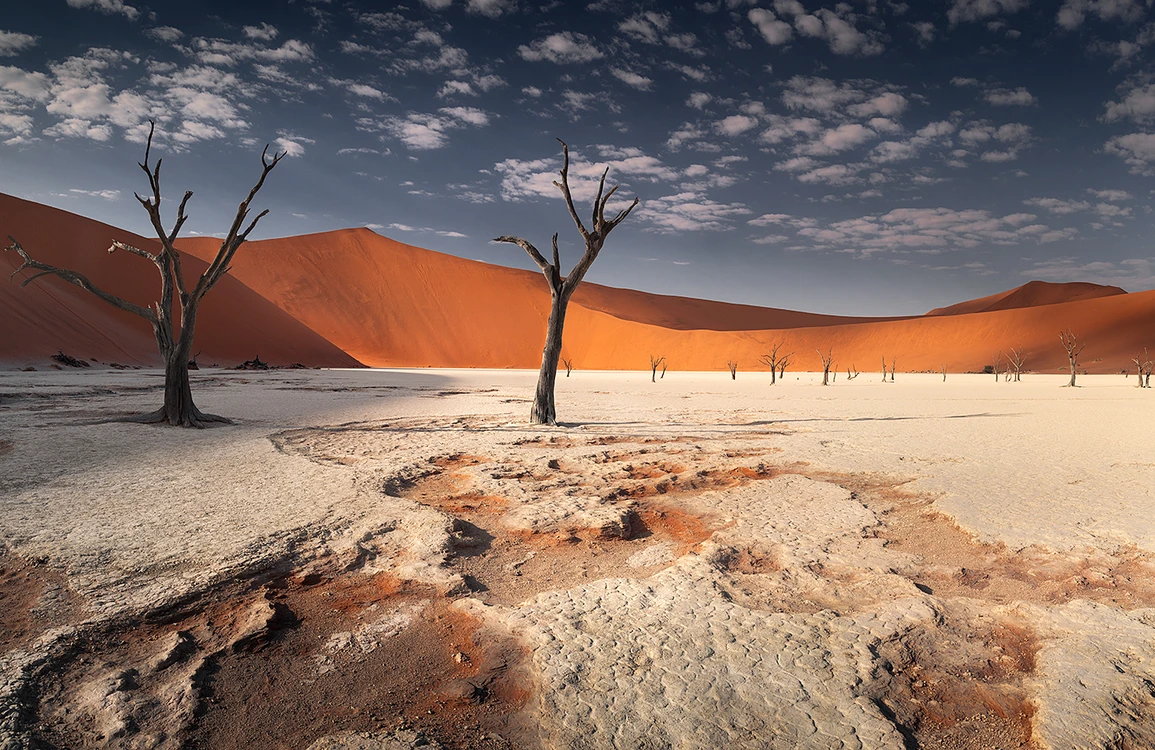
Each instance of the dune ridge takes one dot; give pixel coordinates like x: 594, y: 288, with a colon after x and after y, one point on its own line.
x: 351, y: 297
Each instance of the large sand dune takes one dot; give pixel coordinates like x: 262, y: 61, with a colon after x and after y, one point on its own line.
x: 348, y: 296
x: 391, y: 304
x: 235, y: 323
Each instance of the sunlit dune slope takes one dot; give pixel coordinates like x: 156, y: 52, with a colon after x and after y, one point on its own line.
x: 235, y: 323
x: 1031, y: 294
x: 391, y: 304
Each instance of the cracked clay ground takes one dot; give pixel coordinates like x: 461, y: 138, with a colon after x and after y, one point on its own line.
x: 396, y: 559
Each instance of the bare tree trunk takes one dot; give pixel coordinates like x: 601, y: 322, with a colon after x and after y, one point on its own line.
x: 733, y: 367
x: 773, y: 378
x: 782, y: 369
x: 568, y: 364
x: 544, y: 411
x: 884, y: 368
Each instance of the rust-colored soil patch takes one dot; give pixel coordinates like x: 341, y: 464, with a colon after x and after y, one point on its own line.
x: 959, y: 685
x: 438, y: 675
x: 953, y: 563
x: 33, y: 599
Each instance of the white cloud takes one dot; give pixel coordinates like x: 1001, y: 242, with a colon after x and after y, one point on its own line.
x: 426, y: 131
x: 264, y: 32
x: 1111, y: 196
x: 111, y: 7
x: 1073, y: 13
x: 1136, y: 149
x: 108, y: 195
x: 1019, y: 97
x: 562, y: 47
x: 1137, y: 104
x: 292, y: 145
x: 646, y: 27
x: 33, y: 86
x: 735, y: 125
x: 976, y: 10
x: 837, y: 27
x: 490, y: 8
x: 165, y: 33
x: 841, y: 138
x: 773, y: 30
x: 632, y: 79
x: 699, y: 100
x: 13, y: 43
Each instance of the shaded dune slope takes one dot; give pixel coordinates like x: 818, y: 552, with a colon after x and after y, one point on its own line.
x: 235, y: 323
x: 391, y: 304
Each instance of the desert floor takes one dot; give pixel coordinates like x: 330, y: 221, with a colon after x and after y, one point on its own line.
x: 398, y: 559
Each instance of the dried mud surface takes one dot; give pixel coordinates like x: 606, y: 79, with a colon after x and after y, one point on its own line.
x: 589, y: 586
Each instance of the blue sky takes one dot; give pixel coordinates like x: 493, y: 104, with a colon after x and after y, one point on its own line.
x: 870, y: 157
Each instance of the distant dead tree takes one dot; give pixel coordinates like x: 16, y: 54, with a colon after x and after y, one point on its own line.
x: 998, y: 363
x: 850, y: 376
x: 827, y: 361
x: 893, y: 364
x: 1143, y: 367
x: 655, y: 363
x: 772, y: 359
x: 664, y: 365
x: 783, y: 363
x: 174, y: 338
x: 561, y: 289
x: 1073, y: 348
x: 568, y: 364
x: 884, y: 368
x: 733, y: 367
x: 943, y: 367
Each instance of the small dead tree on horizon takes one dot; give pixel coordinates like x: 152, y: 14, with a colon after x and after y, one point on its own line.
x: 733, y: 368
x: 998, y: 362
x: 174, y: 338
x: 772, y: 358
x: 893, y: 364
x: 655, y: 363
x: 561, y: 288
x: 568, y: 364
x: 884, y: 368
x: 850, y: 376
x: 665, y: 364
x: 1073, y: 348
x: 1016, y: 360
x: 783, y: 363
x: 827, y: 361
x: 1143, y: 367
x: 943, y: 367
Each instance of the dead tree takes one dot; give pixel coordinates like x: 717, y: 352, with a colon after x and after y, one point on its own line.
x: 1016, y: 360
x: 783, y: 363
x: 174, y: 338
x: 655, y: 363
x: 849, y: 375
x: 733, y: 367
x: 827, y: 361
x: 1073, y: 348
x: 998, y: 361
x: 893, y: 364
x: 561, y: 288
x: 568, y: 363
x: 771, y: 360
x: 1143, y: 368
x: 943, y: 367
x: 884, y: 368
x: 664, y: 365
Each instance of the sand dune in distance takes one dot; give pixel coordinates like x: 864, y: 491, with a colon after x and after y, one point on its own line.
x: 235, y: 323
x: 391, y: 304
x: 343, y: 297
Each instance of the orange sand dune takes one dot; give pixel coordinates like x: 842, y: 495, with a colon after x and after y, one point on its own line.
x: 235, y: 323
x: 1031, y: 294
x: 391, y: 304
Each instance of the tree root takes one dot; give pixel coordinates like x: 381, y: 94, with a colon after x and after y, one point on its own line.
x: 198, y: 419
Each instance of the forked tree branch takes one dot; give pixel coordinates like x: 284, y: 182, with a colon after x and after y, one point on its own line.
x: 73, y: 277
